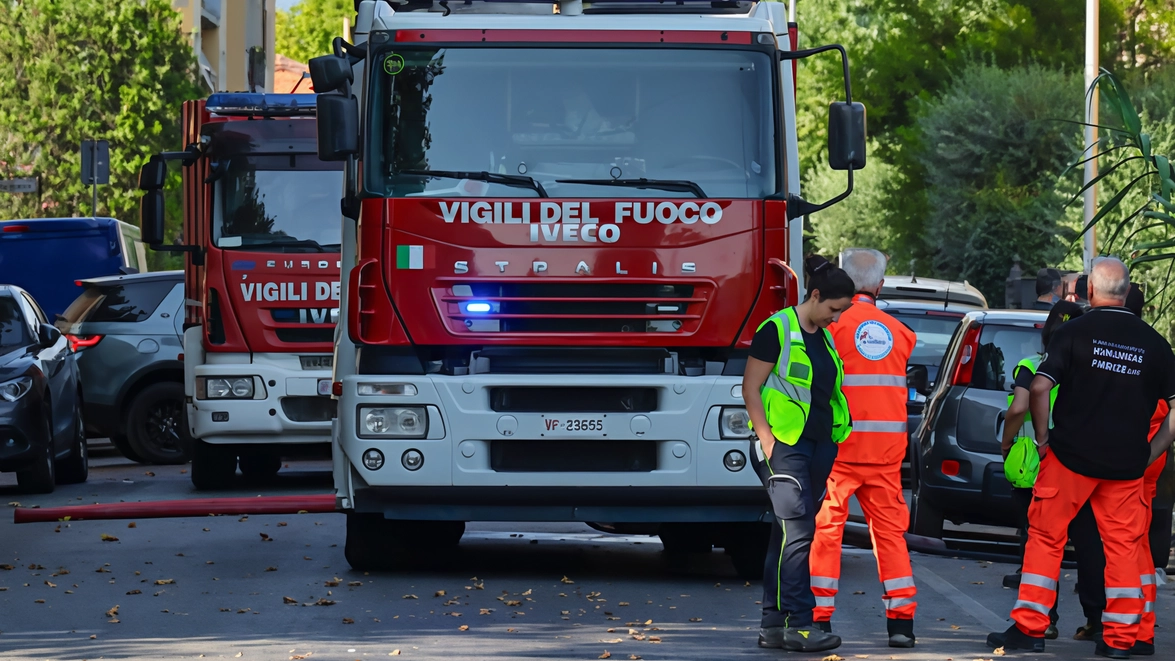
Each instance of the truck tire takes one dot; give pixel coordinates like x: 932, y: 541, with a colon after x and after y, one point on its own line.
x: 260, y: 466
x: 213, y: 466
x: 155, y: 425
x: 120, y: 443
x: 430, y: 536
x: 747, y: 548
x: 925, y: 519
x: 682, y: 538
x: 41, y: 476
x: 75, y: 468
x: 370, y: 544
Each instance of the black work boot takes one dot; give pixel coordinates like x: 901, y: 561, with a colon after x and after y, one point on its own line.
x: 1105, y: 650
x: 1015, y: 639
x: 1092, y: 631
x: 825, y: 626
x: 901, y: 632
x: 771, y: 637
x: 1143, y: 648
x: 808, y: 639
x: 1012, y: 581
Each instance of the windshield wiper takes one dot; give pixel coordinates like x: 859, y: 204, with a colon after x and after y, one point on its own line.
x: 672, y: 185
x: 516, y: 180
x: 270, y: 240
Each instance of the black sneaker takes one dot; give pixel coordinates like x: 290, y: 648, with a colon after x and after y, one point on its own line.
x: 1014, y: 639
x: 901, y: 632
x: 1105, y: 650
x: 1051, y: 632
x: 1143, y: 648
x: 1012, y: 581
x: 1092, y: 632
x: 825, y: 626
x: 771, y: 637
x: 808, y: 639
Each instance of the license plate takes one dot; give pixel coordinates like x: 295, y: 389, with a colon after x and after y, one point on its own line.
x: 573, y: 425
x: 317, y: 362
x: 324, y: 387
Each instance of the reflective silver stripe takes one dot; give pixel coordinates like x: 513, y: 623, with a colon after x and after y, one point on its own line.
x: 825, y: 582
x: 1147, y: 579
x: 1123, y: 593
x: 1120, y: 618
x: 776, y: 383
x: 825, y: 602
x: 1039, y: 581
x: 797, y: 337
x: 1148, y: 607
x: 879, y: 426
x: 891, y: 604
x: 1031, y: 605
x: 874, y: 380
x: 897, y: 583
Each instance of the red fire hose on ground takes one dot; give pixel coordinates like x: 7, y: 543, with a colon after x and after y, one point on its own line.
x: 160, y: 509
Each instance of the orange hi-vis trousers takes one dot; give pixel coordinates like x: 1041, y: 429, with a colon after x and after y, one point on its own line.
x: 1122, y: 519
x: 879, y: 491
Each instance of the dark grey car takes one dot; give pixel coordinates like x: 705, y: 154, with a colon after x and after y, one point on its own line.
x: 128, y: 333
x: 957, y: 468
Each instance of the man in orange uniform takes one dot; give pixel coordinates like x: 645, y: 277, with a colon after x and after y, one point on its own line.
x: 875, y: 348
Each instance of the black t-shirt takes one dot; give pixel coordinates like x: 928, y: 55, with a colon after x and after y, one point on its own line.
x: 765, y: 347
x: 1024, y: 377
x: 1113, y: 369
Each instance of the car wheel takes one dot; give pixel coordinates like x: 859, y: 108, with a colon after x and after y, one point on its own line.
x: 75, y: 468
x: 41, y: 476
x: 120, y: 443
x: 155, y: 425
x: 260, y: 466
x: 747, y: 549
x: 213, y: 466
x: 925, y: 519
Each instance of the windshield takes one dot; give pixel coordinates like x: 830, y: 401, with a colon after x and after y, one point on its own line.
x: 701, y: 116
x: 14, y: 331
x: 933, y: 335
x: 279, y: 203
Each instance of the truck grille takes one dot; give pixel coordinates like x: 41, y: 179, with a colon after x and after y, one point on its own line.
x: 581, y: 456
x: 572, y: 307
x: 309, y: 409
x: 527, y: 399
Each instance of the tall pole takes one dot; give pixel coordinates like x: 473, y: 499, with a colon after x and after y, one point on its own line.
x: 1091, y: 72
x: 94, y: 174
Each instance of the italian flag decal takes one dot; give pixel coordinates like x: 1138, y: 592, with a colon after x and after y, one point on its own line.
x: 410, y: 257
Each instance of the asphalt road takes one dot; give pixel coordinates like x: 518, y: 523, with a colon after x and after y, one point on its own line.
x: 278, y: 588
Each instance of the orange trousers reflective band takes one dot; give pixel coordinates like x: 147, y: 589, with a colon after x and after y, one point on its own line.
x: 1122, y: 518
x: 878, y: 488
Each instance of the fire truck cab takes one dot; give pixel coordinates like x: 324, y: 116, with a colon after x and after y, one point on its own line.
x: 563, y: 223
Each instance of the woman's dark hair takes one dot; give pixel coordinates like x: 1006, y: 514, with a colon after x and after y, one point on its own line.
x: 830, y: 281
x: 1062, y: 311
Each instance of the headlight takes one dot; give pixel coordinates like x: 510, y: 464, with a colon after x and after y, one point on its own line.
x: 735, y: 423
x: 393, y: 421
x: 226, y: 387
x: 16, y: 388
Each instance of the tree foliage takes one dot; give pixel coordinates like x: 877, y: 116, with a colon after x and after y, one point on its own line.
x: 88, y: 69
x: 855, y: 221
x: 309, y: 27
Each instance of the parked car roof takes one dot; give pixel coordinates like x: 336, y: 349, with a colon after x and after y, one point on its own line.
x: 154, y: 276
x: 908, y: 287
x: 1010, y: 316
x: 906, y: 305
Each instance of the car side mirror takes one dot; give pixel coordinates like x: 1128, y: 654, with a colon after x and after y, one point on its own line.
x: 153, y: 174
x: 47, y: 335
x: 329, y: 73
x: 338, y: 126
x: 846, y: 136
x: 918, y: 379
x: 151, y: 218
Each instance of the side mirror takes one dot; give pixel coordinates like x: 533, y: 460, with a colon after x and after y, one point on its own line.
x: 151, y: 217
x: 846, y: 136
x: 918, y: 378
x: 47, y: 335
x: 153, y: 174
x: 338, y: 126
x: 329, y: 73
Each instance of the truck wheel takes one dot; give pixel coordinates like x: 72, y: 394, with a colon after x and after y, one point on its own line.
x: 370, y: 542
x: 213, y: 466
x: 155, y: 424
x: 120, y: 443
x: 260, y: 467
x: 41, y: 476
x: 925, y: 519
x: 75, y: 468
x: 747, y: 549
x: 430, y: 535
x: 681, y: 538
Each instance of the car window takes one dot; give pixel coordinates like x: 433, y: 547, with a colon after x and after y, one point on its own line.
x: 80, y: 307
x: 1000, y: 348
x: 14, y: 331
x: 129, y: 302
x: 37, y: 312
x: 934, y: 334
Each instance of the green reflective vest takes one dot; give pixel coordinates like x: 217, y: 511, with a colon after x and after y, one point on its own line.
x: 1032, y: 363
x: 787, y: 393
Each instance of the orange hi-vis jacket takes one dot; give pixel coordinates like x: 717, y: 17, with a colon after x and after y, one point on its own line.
x: 875, y: 382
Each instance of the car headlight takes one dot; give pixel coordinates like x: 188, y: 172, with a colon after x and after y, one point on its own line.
x: 735, y: 422
x: 225, y: 387
x: 16, y: 388
x: 393, y: 421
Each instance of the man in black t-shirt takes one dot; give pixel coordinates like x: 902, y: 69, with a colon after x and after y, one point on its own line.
x: 1112, y: 368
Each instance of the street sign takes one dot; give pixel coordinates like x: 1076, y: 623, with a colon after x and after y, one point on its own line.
x: 28, y: 185
x: 95, y: 162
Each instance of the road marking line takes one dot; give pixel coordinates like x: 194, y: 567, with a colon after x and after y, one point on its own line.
x: 973, y: 608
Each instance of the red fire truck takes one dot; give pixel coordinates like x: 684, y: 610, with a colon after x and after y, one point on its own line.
x: 261, y: 237
x: 562, y: 225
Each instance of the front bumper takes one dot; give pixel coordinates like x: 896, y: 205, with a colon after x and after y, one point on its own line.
x: 22, y: 433
x: 286, y: 407
x: 664, y: 464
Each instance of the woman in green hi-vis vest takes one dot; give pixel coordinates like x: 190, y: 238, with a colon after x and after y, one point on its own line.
x: 792, y: 389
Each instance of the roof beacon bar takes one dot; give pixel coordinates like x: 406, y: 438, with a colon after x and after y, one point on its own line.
x: 242, y: 104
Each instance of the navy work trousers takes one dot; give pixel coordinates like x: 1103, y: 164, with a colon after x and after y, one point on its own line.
x: 796, y: 483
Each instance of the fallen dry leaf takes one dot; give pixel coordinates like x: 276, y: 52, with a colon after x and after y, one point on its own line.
x: 513, y: 603
x: 486, y: 611
x: 299, y: 657
x: 634, y: 657
x: 394, y: 653
x: 94, y: 636
x: 324, y: 602
x: 38, y: 601
x: 648, y: 622
x: 463, y: 627
x: 956, y: 627
x: 624, y: 603
x: 613, y: 641
x: 265, y: 538
x: 832, y: 657
x: 999, y: 651
x: 859, y: 592
x: 165, y: 581
x: 113, y: 611
x: 52, y: 585
x: 114, y: 621
x: 347, y: 620
x: 606, y: 655
x: 355, y: 584
x: 695, y: 619
x: 331, y: 584
x: 654, y: 639
x: 289, y: 600
x: 109, y: 538
x: 132, y: 524
x: 409, y: 596
x: 135, y: 592
x: 976, y: 582
x: 569, y: 581
x: 440, y: 593
x: 226, y: 610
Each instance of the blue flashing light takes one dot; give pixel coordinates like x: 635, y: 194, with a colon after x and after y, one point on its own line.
x: 478, y: 307
x: 240, y: 104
